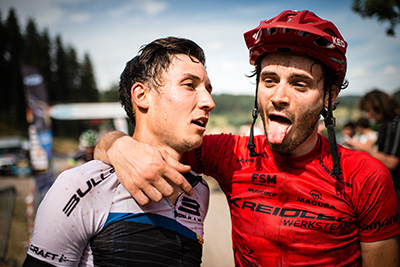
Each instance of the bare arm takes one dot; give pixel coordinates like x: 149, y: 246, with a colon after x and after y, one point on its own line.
x: 145, y: 171
x: 390, y: 161
x: 105, y: 143
x: 380, y: 253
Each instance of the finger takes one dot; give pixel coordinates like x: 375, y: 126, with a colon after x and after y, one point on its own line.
x: 140, y: 189
x: 179, y: 167
x: 172, y: 173
x: 138, y: 194
x: 178, y: 179
x: 155, y: 191
x: 163, y: 186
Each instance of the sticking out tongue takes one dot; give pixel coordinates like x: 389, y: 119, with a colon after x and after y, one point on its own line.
x: 277, y: 130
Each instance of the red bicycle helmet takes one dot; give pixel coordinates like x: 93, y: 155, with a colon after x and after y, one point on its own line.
x: 299, y: 32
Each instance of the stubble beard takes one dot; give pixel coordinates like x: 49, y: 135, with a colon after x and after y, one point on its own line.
x: 188, y: 144
x: 300, y: 131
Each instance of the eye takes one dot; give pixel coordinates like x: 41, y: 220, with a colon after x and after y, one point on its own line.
x: 189, y: 85
x: 301, y: 86
x: 268, y: 82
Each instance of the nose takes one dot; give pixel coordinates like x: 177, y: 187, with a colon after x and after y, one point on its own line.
x: 280, y: 97
x: 206, y: 101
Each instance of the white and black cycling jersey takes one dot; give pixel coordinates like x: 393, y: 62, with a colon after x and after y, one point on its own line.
x: 88, y: 218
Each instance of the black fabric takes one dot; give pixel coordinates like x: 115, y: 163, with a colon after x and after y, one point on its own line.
x: 33, y: 262
x: 192, y: 179
x: 126, y: 243
x: 389, y: 143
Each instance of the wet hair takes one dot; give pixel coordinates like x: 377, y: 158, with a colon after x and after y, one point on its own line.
x: 381, y: 103
x: 149, y: 65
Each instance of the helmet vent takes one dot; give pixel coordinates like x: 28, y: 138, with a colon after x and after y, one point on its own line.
x: 303, y: 33
x: 286, y: 30
x: 321, y: 41
x: 271, y: 31
x: 341, y: 62
x: 330, y: 32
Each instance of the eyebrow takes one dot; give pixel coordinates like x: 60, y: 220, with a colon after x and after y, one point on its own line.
x: 302, y: 76
x: 295, y: 75
x: 265, y: 73
x: 197, y: 78
x: 192, y: 76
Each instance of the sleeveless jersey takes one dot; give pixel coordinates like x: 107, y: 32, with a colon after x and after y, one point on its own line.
x: 87, y: 218
x: 291, y: 211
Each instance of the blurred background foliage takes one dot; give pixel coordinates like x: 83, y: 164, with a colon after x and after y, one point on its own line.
x: 70, y: 78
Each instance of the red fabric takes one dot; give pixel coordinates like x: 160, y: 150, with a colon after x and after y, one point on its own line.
x: 290, y: 211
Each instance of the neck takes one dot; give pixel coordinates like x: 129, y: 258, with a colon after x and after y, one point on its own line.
x: 307, y: 145
x: 146, y: 138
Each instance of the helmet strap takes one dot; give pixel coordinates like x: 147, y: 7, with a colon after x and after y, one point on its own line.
x: 250, y: 145
x: 330, y: 126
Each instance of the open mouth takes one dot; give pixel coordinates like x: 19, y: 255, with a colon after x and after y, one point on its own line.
x: 278, y: 127
x: 279, y: 119
x: 200, y: 123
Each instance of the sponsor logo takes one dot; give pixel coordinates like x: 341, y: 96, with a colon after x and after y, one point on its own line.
x: 91, y: 183
x: 261, y: 155
x: 315, y: 194
x: 263, y: 179
x: 192, y: 209
x: 339, y: 42
x: 295, y: 217
x: 378, y: 225
x: 245, y: 160
x: 262, y: 192
x: 315, y: 203
x: 199, y: 162
x: 282, y: 212
x: 329, y: 172
x: 46, y: 254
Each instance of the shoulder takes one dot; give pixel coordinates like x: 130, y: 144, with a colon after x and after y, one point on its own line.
x: 238, y: 141
x: 74, y: 209
x: 361, y: 168
x: 351, y: 157
x: 221, y: 137
x: 76, y: 184
x: 89, y: 169
x: 356, y: 165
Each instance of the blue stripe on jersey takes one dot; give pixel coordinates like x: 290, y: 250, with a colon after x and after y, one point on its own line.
x: 152, y: 219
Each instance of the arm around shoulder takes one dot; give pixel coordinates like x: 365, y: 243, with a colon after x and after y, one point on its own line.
x: 105, y: 143
x: 145, y: 171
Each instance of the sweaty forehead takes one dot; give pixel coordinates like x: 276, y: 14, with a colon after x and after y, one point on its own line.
x: 185, y: 67
x: 292, y: 62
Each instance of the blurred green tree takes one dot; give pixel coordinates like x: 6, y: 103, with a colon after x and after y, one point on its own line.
x: 383, y: 10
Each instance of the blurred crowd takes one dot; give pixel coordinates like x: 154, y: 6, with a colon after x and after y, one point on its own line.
x: 378, y: 133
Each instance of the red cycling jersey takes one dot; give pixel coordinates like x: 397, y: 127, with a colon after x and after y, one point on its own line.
x: 290, y: 211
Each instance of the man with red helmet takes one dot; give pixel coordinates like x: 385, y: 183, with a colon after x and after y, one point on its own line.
x: 298, y: 198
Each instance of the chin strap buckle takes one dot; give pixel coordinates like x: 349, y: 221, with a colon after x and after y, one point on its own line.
x: 250, y: 145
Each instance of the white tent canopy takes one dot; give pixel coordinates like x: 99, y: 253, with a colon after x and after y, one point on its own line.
x: 91, y: 111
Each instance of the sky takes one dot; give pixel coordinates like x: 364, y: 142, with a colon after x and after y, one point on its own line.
x: 112, y: 32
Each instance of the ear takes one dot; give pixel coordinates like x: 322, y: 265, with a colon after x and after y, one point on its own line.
x: 335, y: 93
x: 139, y: 95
